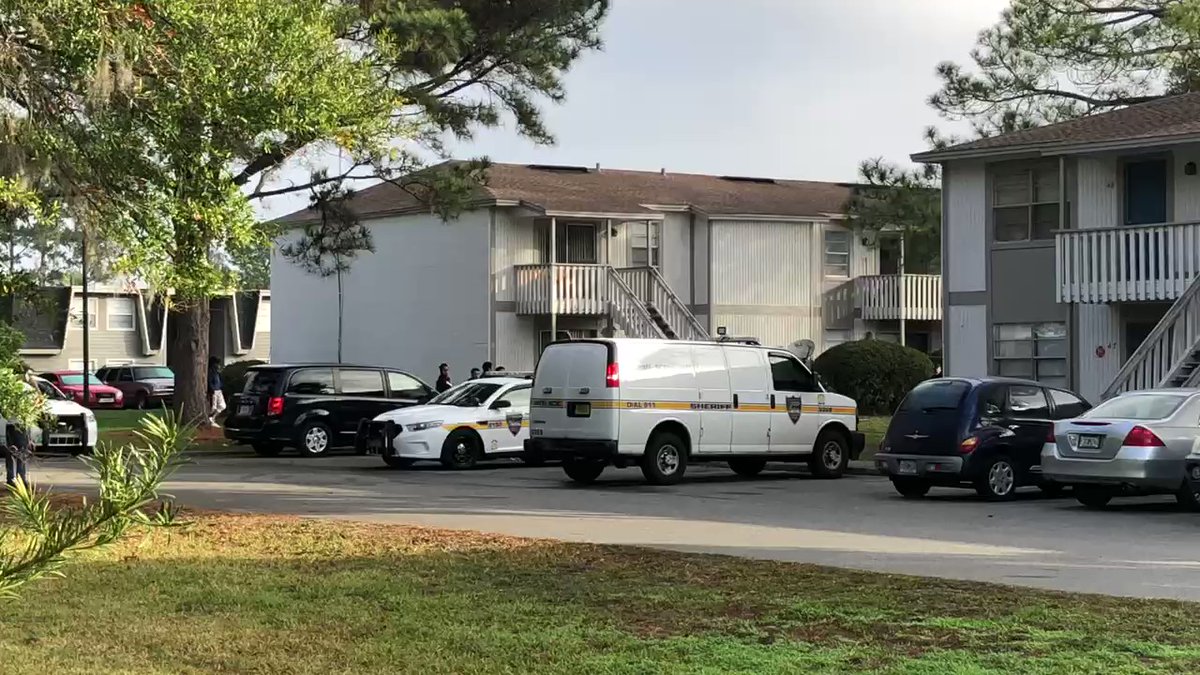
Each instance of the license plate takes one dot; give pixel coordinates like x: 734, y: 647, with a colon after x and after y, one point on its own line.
x: 1090, y: 442
x: 245, y: 409
x: 907, y: 467
x: 580, y: 410
x: 106, y: 399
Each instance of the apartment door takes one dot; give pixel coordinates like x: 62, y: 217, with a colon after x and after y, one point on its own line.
x: 576, y: 243
x: 1146, y: 192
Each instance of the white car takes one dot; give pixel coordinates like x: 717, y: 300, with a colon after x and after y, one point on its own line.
x: 478, y: 419
x: 74, y: 425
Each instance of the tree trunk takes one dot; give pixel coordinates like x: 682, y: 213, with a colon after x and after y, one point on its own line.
x: 188, y: 348
x: 341, y: 312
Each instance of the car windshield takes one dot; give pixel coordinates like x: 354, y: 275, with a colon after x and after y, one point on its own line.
x: 466, y: 395
x: 77, y: 379
x: 935, y: 395
x: 1138, y: 407
x: 51, y: 392
x: 153, y: 373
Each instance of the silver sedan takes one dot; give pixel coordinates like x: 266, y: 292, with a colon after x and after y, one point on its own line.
x: 1134, y: 444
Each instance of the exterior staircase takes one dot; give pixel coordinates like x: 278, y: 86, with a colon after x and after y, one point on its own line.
x: 669, y: 315
x: 1170, y: 355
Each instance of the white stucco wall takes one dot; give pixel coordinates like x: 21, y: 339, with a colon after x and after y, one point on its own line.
x: 420, y: 299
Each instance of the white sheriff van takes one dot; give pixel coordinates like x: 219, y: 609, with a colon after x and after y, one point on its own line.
x: 661, y: 404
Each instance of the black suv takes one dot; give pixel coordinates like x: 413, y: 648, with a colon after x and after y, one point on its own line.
x: 982, y: 433
x: 315, y: 407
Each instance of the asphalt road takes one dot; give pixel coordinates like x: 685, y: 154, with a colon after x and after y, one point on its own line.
x: 1142, y: 547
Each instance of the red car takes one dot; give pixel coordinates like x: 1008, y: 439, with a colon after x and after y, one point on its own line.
x: 100, y: 395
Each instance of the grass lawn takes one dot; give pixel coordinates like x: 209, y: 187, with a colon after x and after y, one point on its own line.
x: 117, y: 426
x: 273, y: 595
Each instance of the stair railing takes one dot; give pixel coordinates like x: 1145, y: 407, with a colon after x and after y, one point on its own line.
x: 629, y: 312
x: 648, y: 284
x: 1162, y: 354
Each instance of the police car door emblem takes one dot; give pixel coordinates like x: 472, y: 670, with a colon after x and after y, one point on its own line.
x: 793, y: 408
x: 514, y: 423
x: 820, y: 399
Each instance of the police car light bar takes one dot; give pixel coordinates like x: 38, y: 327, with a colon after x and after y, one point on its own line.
x: 522, y: 374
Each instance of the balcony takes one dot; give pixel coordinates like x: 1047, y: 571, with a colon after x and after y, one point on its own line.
x: 581, y: 290
x: 1124, y: 264
x: 886, y: 297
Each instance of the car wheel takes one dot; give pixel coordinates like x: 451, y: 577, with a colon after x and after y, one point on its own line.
x: 830, y: 455
x: 747, y: 468
x: 583, y: 471
x: 267, y: 449
x: 1093, y: 497
x: 397, y: 462
x: 461, y: 450
x: 665, y: 460
x: 998, y: 481
x: 1188, y: 497
x: 911, y: 488
x: 141, y: 401
x: 315, y: 439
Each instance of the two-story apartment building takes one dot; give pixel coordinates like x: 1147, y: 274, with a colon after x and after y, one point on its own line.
x: 128, y: 325
x: 1071, y: 251
x: 574, y: 252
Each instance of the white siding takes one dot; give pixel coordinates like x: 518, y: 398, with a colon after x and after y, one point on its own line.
x: 517, y: 243
x: 701, y: 263
x: 967, y: 334
x: 1099, y: 327
x: 1187, y: 188
x: 516, y: 341
x: 776, y: 330
x: 964, y: 263
x: 1097, y: 203
x: 676, y: 255
x: 420, y: 299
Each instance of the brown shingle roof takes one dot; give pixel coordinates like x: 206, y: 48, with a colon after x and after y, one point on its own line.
x: 1164, y: 118
x: 579, y: 190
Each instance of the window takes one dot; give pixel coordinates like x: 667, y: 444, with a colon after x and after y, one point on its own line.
x: 1025, y: 203
x: 406, y: 386
x: 837, y: 253
x: 935, y: 395
x: 1028, y: 402
x: 312, y: 382
x: 643, y: 244
x: 364, y: 383
x: 788, y: 375
x: 75, y: 315
x: 77, y: 364
x: 519, y: 398
x: 261, y: 381
x: 263, y: 323
x: 153, y: 373
x: 124, y: 375
x: 1067, y: 405
x: 991, y: 403
x: 1032, y: 352
x: 120, y: 313
x: 575, y: 243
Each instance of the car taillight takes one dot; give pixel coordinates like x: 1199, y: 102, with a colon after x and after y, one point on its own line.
x: 1141, y: 437
x: 968, y: 445
x: 275, y: 406
x: 1050, y: 436
x: 612, y: 375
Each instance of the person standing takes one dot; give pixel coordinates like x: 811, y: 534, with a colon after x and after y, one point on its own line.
x: 487, y: 367
x: 475, y: 373
x: 443, y: 379
x: 216, y: 397
x: 16, y: 446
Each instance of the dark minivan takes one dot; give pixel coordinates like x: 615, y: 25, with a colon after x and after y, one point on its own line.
x: 315, y: 407
x: 982, y: 433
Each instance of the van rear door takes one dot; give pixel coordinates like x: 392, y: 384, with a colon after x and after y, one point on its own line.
x: 575, y: 392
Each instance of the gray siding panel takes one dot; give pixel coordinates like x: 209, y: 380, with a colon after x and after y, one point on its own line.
x: 1022, y: 283
x: 676, y: 254
x: 964, y: 260
x: 967, y: 341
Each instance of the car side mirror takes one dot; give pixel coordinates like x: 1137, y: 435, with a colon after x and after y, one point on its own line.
x: 501, y: 405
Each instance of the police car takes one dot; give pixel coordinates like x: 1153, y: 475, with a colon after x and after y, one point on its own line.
x: 69, y: 427
x: 479, y: 419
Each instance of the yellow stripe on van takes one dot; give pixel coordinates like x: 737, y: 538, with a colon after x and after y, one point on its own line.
x: 700, y: 406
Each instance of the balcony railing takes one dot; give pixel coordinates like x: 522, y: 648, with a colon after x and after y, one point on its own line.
x: 1135, y: 262
x: 580, y: 289
x: 878, y: 298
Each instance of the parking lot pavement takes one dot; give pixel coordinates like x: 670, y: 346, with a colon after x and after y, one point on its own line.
x: 1142, y: 547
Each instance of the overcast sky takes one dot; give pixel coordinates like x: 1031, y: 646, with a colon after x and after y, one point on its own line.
x: 780, y: 88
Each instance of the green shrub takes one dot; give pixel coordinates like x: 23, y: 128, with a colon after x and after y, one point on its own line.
x: 233, y: 377
x: 874, y: 373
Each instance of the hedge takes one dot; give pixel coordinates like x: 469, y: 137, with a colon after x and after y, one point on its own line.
x: 233, y: 377
x: 874, y: 373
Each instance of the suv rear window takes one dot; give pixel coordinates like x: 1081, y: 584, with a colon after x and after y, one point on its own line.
x: 936, y: 395
x: 261, y: 381
x: 153, y: 373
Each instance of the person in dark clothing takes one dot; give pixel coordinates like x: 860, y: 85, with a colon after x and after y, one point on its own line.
x: 475, y: 373
x: 17, y: 451
x: 216, y: 397
x: 487, y: 367
x: 443, y: 378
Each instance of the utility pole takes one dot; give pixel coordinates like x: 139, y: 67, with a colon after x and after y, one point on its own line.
x: 903, y: 293
x: 86, y: 351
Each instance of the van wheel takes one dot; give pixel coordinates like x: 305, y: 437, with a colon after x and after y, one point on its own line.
x: 998, y: 480
x: 1093, y: 497
x: 911, y: 488
x: 315, y: 439
x: 747, y: 468
x: 582, y: 471
x: 264, y: 449
x: 461, y: 450
x: 830, y: 455
x: 665, y: 460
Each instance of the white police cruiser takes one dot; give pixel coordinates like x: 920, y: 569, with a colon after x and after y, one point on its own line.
x: 70, y: 426
x: 479, y: 419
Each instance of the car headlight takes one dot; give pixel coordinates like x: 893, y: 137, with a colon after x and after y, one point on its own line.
x: 422, y: 426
